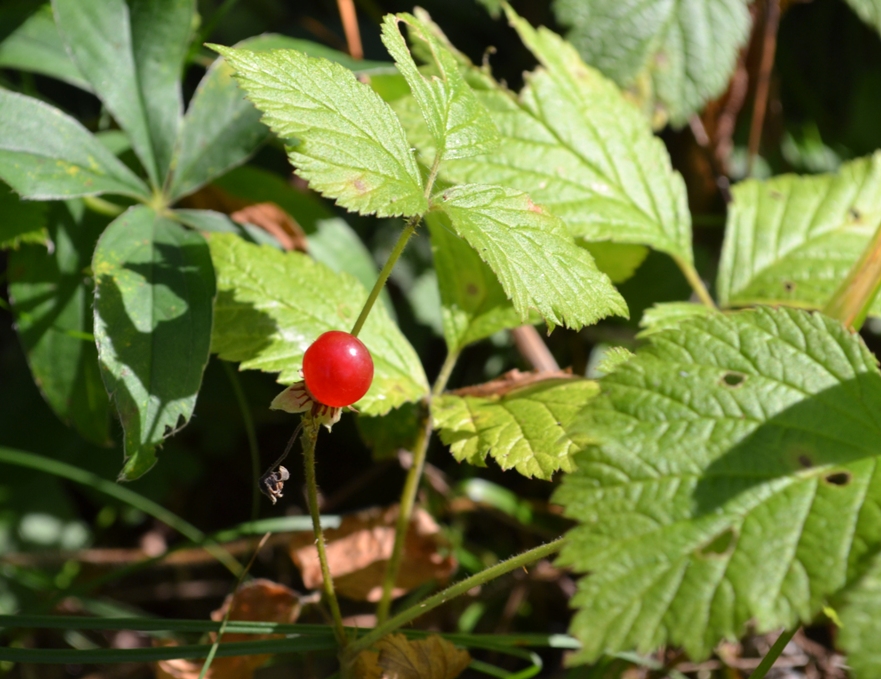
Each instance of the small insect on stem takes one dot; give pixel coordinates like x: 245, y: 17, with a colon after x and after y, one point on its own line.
x: 272, y: 481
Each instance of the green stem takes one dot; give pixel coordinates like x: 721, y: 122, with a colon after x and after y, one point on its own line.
x: 103, y: 207
x: 253, y: 448
x: 851, y: 302
x: 769, y: 660
x: 444, y: 375
x: 310, y: 437
x: 451, y: 592
x: 694, y: 280
x: 409, y: 230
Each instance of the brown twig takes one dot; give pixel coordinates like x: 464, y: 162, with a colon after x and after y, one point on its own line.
x: 760, y: 104
x: 532, y: 347
x: 350, y: 26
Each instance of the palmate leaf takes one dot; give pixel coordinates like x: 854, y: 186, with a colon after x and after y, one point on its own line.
x: 684, y: 51
x: 272, y: 305
x: 524, y: 429
x: 153, y: 314
x: 458, y: 123
x: 532, y: 254
x: 342, y: 137
x: 728, y: 475
x: 575, y: 145
x: 792, y: 240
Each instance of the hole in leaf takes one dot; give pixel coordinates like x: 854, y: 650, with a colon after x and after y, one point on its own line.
x: 733, y: 379
x: 838, y: 478
x: 721, y: 545
x: 789, y: 286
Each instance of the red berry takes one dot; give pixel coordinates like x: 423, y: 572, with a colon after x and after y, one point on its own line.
x: 337, y: 369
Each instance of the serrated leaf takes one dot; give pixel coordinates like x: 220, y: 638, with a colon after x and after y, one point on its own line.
x: 153, y: 316
x: 458, y: 124
x: 473, y: 303
x: 861, y: 623
x: 52, y: 300
x: 685, y: 52
x: 132, y: 53
x: 36, y: 46
x: 869, y: 11
x: 22, y: 222
x: 532, y: 254
x: 727, y: 477
x: 272, y: 305
x: 793, y: 239
x: 575, y: 145
x: 343, y: 139
x: 668, y: 315
x: 524, y: 429
x: 612, y: 358
x: 46, y: 154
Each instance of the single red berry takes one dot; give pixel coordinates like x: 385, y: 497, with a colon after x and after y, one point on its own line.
x: 337, y: 369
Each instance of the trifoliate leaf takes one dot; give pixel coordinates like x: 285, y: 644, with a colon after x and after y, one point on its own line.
x: 685, y: 52
x: 667, y: 315
x: 575, y: 145
x: 458, y: 123
x: 861, y: 623
x: 726, y: 477
x: 791, y: 239
x: 533, y: 255
x: 272, y: 305
x: 341, y: 136
x: 523, y: 429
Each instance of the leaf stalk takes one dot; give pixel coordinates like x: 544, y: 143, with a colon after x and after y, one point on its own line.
x: 851, y: 302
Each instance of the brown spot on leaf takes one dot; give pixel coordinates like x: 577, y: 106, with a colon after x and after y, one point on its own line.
x: 789, y: 286
x: 472, y: 289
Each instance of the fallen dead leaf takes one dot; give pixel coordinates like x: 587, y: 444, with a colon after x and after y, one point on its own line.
x: 358, y: 551
x: 397, y: 658
x: 272, y: 219
x: 511, y: 380
x: 262, y: 600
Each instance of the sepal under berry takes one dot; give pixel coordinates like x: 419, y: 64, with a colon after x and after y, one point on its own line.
x: 297, y: 399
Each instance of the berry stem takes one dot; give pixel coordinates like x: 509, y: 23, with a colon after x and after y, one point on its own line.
x: 310, y: 437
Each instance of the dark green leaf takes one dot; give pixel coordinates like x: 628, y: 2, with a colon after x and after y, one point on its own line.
x: 619, y: 261
x: 343, y: 138
x: 153, y: 317
x: 532, y: 254
x: 398, y: 429
x: 217, y: 222
x: 132, y: 53
x: 861, y: 623
x: 869, y: 11
x: 52, y: 298
x: 45, y: 154
x: 22, y: 221
x: 727, y: 476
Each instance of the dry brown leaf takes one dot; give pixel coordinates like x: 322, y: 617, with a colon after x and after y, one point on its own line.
x: 261, y: 600
x: 397, y: 658
x: 271, y: 218
x: 511, y: 380
x: 358, y: 551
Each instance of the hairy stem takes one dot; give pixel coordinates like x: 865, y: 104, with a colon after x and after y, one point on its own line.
x: 694, y: 280
x: 851, y: 302
x: 769, y: 660
x: 451, y: 592
x: 310, y: 436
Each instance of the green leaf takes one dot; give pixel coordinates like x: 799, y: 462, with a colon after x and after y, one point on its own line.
x: 217, y: 222
x: 23, y: 221
x: 613, y: 357
x: 458, y: 124
x: 276, y: 41
x: 523, y: 429
x: 619, y: 261
x: 52, y: 300
x: 473, y: 303
x: 132, y: 53
x: 685, y: 52
x: 220, y: 131
x: 792, y: 240
x: 272, y: 306
x: 36, y: 46
x: 342, y: 137
x: 869, y: 11
x: 532, y: 254
x: 860, y: 627
x: 575, y: 145
x: 668, y: 315
x: 726, y: 477
x: 46, y: 154
x: 153, y: 315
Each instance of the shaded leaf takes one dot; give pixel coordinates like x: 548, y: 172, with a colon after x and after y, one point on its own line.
x: 668, y: 315
x: 153, y: 315
x: 523, y: 429
x: 397, y: 657
x: 46, y: 154
x: 792, y: 240
x: 619, y: 261
x: 358, y: 552
x: 532, y: 254
x: 869, y: 11
x: 342, y: 137
x: 396, y: 430
x: 215, y: 222
x: 727, y: 477
x: 458, y: 124
x: 683, y: 52
x: 272, y: 306
x: 132, y: 54
x: 52, y: 298
x: 23, y: 221
x: 860, y: 628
